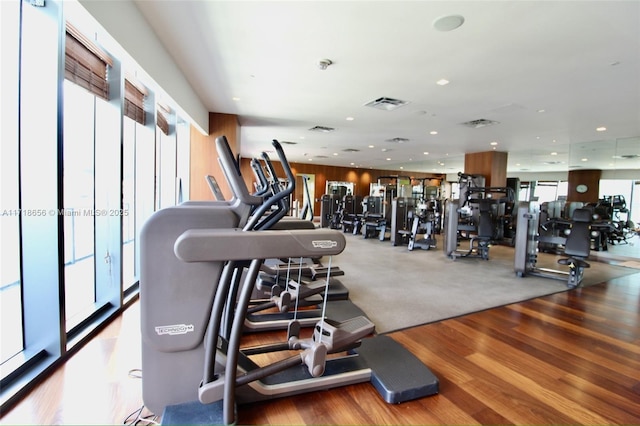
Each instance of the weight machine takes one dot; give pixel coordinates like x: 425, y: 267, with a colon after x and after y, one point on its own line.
x: 477, y: 217
x: 426, y: 219
x: 576, y: 242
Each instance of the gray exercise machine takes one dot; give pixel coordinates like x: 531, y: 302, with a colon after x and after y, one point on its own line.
x: 425, y: 220
x: 576, y: 242
x: 194, y: 370
x: 274, y: 288
x: 477, y: 217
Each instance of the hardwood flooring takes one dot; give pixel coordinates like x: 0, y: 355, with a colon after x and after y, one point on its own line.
x: 568, y: 358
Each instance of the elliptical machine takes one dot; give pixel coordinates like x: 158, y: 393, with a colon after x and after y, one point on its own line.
x: 198, y: 268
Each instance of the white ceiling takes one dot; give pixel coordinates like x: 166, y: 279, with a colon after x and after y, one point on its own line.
x: 578, y: 61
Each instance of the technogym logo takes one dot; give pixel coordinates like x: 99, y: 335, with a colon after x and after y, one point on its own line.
x: 174, y: 330
x: 324, y: 244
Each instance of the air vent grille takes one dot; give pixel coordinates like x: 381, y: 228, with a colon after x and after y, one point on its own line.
x: 322, y: 129
x: 397, y: 140
x: 288, y: 143
x: 627, y: 156
x: 482, y: 122
x: 386, y: 104
x: 350, y: 150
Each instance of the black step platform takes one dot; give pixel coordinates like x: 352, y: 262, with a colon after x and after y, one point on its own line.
x: 397, y: 374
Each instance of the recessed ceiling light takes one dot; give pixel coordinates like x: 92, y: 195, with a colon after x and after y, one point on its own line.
x: 442, y: 82
x: 554, y: 153
x: 433, y: 132
x: 584, y: 159
x: 301, y: 137
x: 388, y: 159
x: 335, y: 153
x: 401, y: 168
x: 235, y: 98
x: 494, y: 143
x: 425, y: 153
x: 448, y: 23
x: 541, y: 110
x: 352, y: 164
x: 349, y: 118
x: 372, y: 146
x: 601, y: 129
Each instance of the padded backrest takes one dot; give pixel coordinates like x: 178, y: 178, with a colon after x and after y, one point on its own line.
x: 581, y: 215
x: 579, y: 240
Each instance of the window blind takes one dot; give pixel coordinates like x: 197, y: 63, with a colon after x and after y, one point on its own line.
x: 85, y: 63
x: 134, y: 102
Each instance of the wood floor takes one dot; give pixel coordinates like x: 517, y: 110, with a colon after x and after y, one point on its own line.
x: 568, y: 358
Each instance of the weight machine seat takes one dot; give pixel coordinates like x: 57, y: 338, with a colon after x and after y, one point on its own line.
x: 578, y: 243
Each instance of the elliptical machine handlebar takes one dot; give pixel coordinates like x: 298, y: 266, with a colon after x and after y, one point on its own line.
x: 258, y: 171
x: 232, y: 173
x: 256, y: 221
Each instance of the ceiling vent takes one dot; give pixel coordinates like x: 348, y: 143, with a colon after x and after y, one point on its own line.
x: 322, y: 129
x: 482, y: 122
x: 321, y: 156
x: 627, y: 156
x: 397, y: 140
x: 350, y: 150
x: 288, y: 143
x: 386, y: 104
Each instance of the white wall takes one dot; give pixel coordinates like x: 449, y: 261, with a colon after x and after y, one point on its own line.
x: 125, y: 24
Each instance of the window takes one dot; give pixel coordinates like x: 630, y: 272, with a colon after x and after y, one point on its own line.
x: 79, y: 202
x: 79, y: 179
x: 10, y: 281
x: 138, y: 177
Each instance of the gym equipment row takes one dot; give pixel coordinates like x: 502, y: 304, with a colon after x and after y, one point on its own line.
x: 200, y: 263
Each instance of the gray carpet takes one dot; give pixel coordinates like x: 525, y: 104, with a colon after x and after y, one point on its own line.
x: 406, y: 288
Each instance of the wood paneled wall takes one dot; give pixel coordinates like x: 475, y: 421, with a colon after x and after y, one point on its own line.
x: 491, y: 164
x: 591, y: 178
x: 204, y: 156
x: 360, y: 177
x: 204, y: 161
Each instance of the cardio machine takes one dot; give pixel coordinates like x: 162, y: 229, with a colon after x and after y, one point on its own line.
x: 190, y: 261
